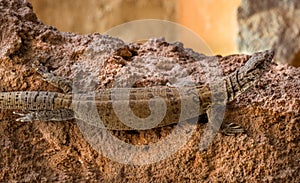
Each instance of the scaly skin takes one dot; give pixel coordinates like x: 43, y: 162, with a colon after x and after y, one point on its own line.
x: 53, y: 106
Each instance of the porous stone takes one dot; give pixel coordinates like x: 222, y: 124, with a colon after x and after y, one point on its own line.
x: 58, y: 151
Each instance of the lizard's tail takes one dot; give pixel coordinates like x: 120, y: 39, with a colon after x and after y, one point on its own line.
x: 34, y: 100
x: 245, y: 76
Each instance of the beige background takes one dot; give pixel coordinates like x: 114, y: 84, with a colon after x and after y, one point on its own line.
x: 213, y: 20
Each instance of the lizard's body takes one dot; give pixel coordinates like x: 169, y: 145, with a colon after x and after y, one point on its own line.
x: 59, y: 106
x: 139, y: 102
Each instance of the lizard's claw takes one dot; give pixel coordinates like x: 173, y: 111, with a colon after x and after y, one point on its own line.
x: 25, y: 117
x: 232, y: 129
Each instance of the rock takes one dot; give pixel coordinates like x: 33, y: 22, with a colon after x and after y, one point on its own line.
x: 58, y: 151
x: 271, y: 24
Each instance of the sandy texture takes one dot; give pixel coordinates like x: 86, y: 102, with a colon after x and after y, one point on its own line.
x: 57, y: 151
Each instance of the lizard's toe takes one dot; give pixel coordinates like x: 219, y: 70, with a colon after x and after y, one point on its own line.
x: 25, y: 117
x: 232, y: 129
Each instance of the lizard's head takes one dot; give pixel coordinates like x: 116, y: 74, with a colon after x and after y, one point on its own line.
x: 245, y: 76
x: 258, y: 62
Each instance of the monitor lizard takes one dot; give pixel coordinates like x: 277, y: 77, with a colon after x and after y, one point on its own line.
x: 55, y: 106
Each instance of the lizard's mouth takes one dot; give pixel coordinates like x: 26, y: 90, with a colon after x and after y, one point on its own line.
x: 269, y: 58
x: 264, y: 63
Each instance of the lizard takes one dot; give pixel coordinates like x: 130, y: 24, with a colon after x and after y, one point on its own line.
x: 56, y: 106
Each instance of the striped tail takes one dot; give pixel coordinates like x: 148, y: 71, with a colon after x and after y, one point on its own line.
x: 34, y: 100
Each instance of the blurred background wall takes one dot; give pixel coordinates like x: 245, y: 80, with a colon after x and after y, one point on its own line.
x: 213, y: 20
x: 227, y: 26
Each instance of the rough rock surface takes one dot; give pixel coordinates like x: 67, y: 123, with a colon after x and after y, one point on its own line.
x: 57, y: 151
x: 271, y: 24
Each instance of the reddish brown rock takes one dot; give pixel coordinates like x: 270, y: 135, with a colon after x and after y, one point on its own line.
x: 57, y: 151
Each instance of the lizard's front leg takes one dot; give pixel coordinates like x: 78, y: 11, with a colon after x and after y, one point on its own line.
x: 229, y: 129
x: 60, y: 82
